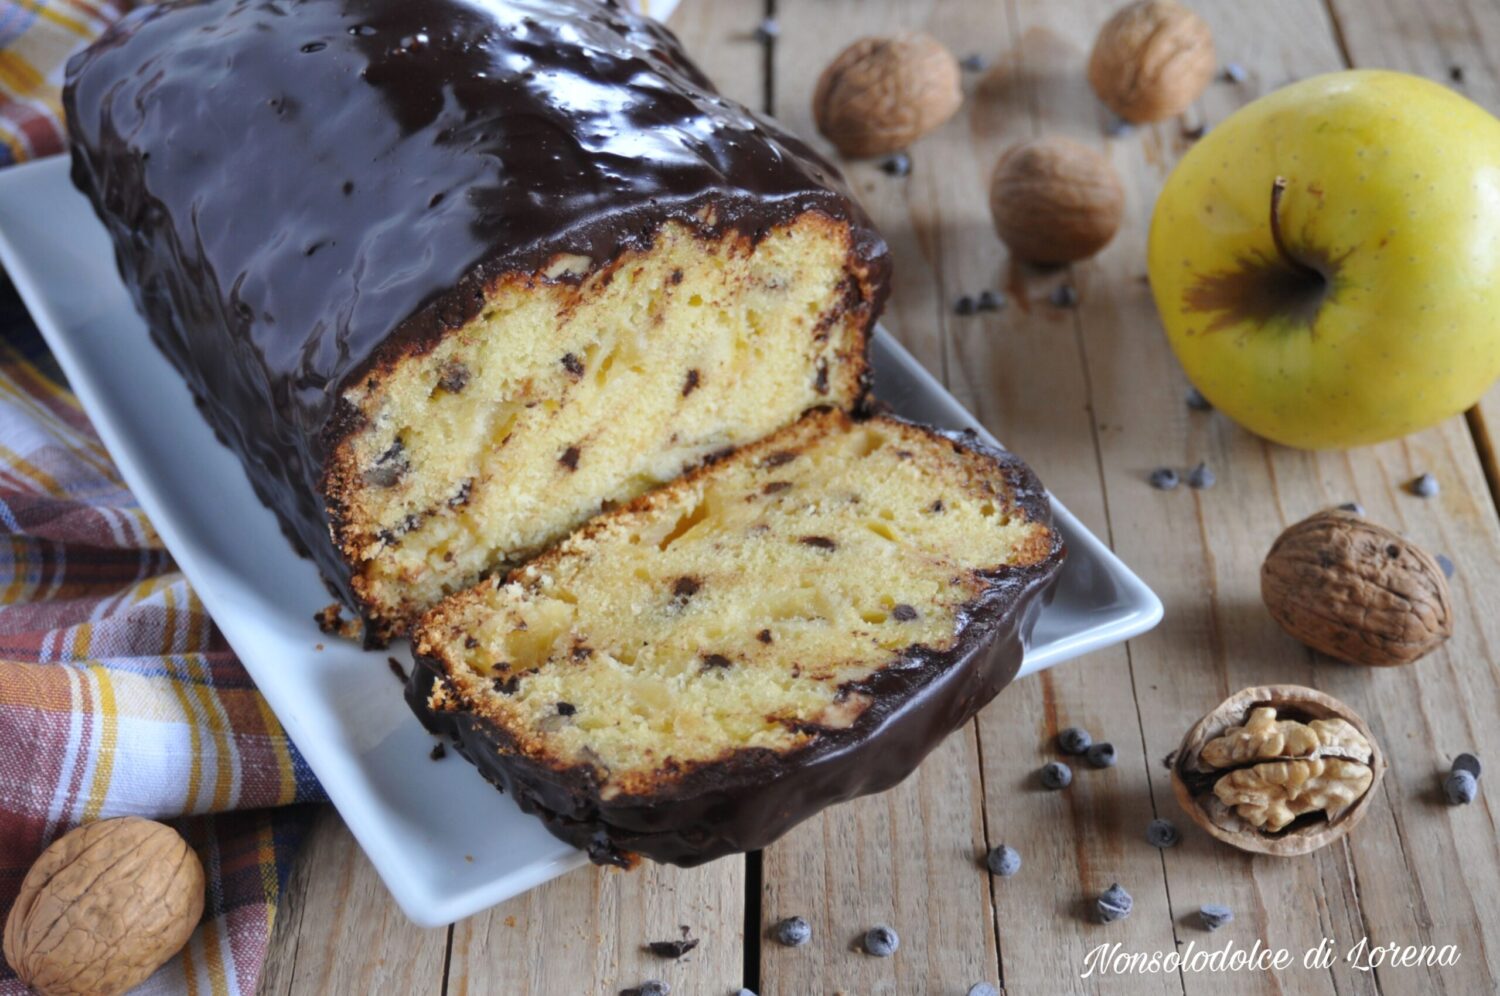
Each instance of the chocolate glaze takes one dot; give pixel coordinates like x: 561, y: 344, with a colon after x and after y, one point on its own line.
x: 301, y: 190
x: 749, y: 800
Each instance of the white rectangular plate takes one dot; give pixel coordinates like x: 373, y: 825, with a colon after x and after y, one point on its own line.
x: 445, y: 842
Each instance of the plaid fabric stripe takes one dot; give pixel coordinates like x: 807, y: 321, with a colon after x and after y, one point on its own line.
x: 36, y: 38
x: 117, y: 694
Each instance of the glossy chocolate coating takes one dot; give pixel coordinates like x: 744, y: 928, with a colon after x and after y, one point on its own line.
x: 301, y: 190
x: 751, y: 799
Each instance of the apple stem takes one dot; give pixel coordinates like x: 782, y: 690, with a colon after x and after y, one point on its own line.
x: 1278, y: 187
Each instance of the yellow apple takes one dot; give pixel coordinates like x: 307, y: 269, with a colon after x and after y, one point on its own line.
x: 1327, y: 261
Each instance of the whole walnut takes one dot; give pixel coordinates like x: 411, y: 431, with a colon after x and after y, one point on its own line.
x: 103, y: 907
x: 1055, y: 200
x: 1356, y: 591
x: 1151, y: 60
x: 881, y: 94
x: 1279, y: 769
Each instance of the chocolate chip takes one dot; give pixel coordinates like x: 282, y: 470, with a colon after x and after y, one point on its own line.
x: 389, y: 467
x: 566, y: 708
x: 1056, y: 775
x: 990, y: 300
x: 1213, y: 916
x: 651, y: 987
x: 775, y: 486
x: 1163, y: 478
x: 573, y: 365
x: 764, y: 636
x: 973, y: 63
x: 1117, y: 127
x: 685, y: 588
x: 438, y: 751
x: 460, y: 497
x: 779, y: 458
x: 903, y: 612
x: 820, y: 542
x: 1467, y: 762
x: 676, y: 277
x: 400, y: 672
x: 1200, y: 477
x: 454, y: 378
x: 767, y: 30
x: 711, y: 661
x: 672, y: 949
x: 1197, y: 402
x: 470, y: 642
x: 1064, y: 296
x: 1101, y: 755
x: 1073, y: 740
x: 1194, y: 132
x: 793, y: 932
x: 965, y: 305
x: 1114, y: 904
x: 690, y: 382
x: 1003, y: 860
x: 507, y: 685
x: 1352, y: 506
x: 881, y: 942
x: 582, y: 651
x: 983, y: 989
x: 897, y: 165
x: 1445, y: 565
x: 1234, y: 73
x: 1162, y: 833
x: 569, y: 458
x: 1460, y: 787
x: 1456, y: 73
x: 936, y: 507
x: 821, y: 383
x: 1424, y: 486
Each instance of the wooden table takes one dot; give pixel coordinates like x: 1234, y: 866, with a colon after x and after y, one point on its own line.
x: 1094, y: 399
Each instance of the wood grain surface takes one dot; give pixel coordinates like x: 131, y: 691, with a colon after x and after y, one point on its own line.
x: 1093, y: 398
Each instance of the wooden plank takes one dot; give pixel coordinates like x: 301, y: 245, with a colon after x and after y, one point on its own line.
x: 586, y: 931
x: 1415, y: 872
x: 339, y: 931
x: 1457, y: 43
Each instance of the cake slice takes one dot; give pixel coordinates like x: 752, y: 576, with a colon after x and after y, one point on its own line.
x: 796, y: 624
x: 449, y: 277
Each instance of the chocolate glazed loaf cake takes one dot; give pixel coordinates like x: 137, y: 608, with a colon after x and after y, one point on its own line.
x: 800, y: 623
x: 449, y: 277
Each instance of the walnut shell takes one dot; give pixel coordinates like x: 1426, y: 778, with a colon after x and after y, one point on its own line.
x: 1279, y: 769
x: 1055, y: 200
x: 103, y: 907
x: 1356, y: 591
x: 881, y: 94
x: 1151, y: 60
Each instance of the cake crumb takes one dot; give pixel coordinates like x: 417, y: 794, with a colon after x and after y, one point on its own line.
x: 331, y: 621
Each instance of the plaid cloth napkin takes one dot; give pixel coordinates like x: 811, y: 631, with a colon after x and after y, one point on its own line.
x: 117, y: 694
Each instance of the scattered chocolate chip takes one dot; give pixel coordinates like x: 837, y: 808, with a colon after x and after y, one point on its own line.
x: 767, y: 30
x: 1101, y: 755
x: 569, y: 458
x: 1197, y: 402
x: 685, y: 588
x: 1056, y: 775
x: 1423, y: 486
x: 965, y: 305
x: 1114, y: 904
x: 881, y: 942
x: 973, y: 63
x: 454, y: 378
x: 897, y: 165
x: 1118, y: 127
x: 1201, y: 478
x: 1352, y: 506
x: 779, y: 458
x: 820, y: 542
x: 1162, y: 833
x: 764, y: 636
x: 1063, y: 296
x: 1073, y: 740
x: 400, y: 672
x: 903, y: 612
x: 775, y: 486
x: 1460, y: 787
x: 1456, y: 73
x: 690, y: 382
x: 1194, y: 132
x: 990, y: 300
x: 1467, y: 762
x: 1003, y: 860
x: 651, y: 987
x: 1235, y: 73
x: 793, y: 932
x: 1445, y: 564
x: 1164, y: 478
x: 983, y: 989
x: 573, y: 365
x: 566, y: 708
x: 672, y: 949
x: 1213, y: 916
x: 716, y: 661
x: 438, y: 751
